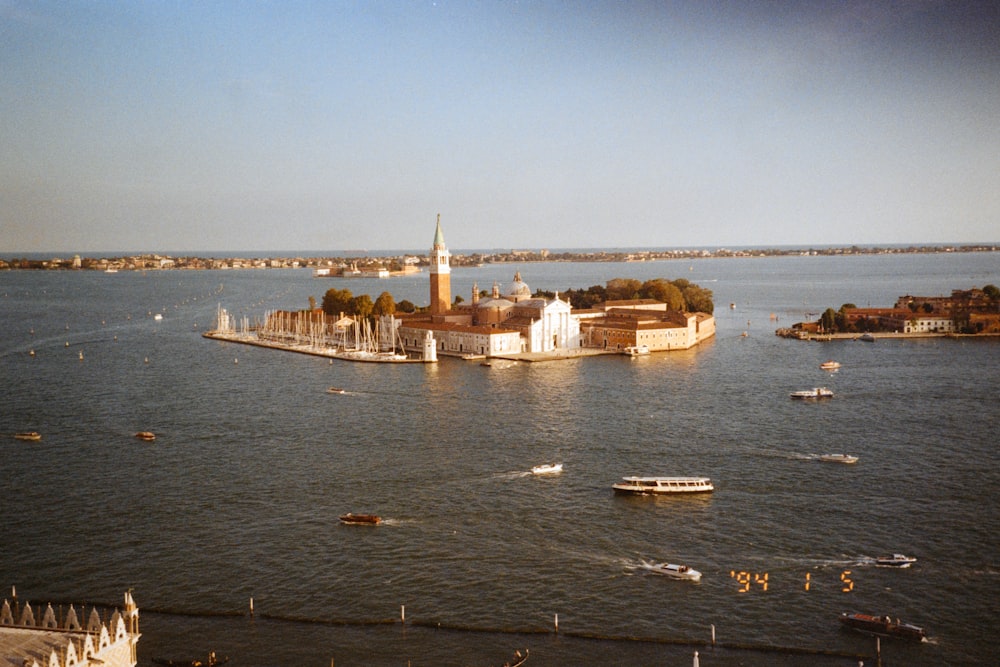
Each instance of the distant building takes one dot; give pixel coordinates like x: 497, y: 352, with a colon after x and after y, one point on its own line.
x: 622, y: 324
x: 512, y: 321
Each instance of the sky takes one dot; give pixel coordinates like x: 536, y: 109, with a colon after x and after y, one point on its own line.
x: 186, y: 126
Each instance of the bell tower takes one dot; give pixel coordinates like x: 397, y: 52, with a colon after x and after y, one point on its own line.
x: 440, y: 273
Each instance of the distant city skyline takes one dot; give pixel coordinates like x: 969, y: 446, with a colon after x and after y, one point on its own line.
x: 242, y: 127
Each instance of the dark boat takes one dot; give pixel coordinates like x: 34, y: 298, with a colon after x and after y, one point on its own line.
x: 362, y: 519
x: 884, y: 626
x: 211, y: 661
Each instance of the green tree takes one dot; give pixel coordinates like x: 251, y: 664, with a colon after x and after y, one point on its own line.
x: 337, y: 301
x: 312, y: 303
x: 992, y: 292
x: 698, y: 299
x: 828, y: 320
x: 663, y: 290
x: 623, y: 289
x: 405, y: 306
x: 384, y: 305
x: 362, y: 306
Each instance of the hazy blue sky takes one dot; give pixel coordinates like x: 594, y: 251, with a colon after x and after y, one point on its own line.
x: 181, y: 126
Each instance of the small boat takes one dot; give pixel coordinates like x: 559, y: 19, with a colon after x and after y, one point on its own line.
x: 517, y: 660
x: 838, y: 458
x: 895, y: 560
x: 196, y: 662
x: 636, y: 350
x: 547, y: 469
x: 663, y: 485
x: 672, y: 570
x: 28, y: 435
x: 884, y: 626
x: 158, y: 316
x: 148, y: 436
x: 361, y: 519
x: 473, y: 357
x: 815, y: 393
x: 867, y: 337
x: 336, y: 390
x: 830, y: 365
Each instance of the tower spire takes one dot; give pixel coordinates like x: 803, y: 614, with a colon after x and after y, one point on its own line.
x: 440, y: 270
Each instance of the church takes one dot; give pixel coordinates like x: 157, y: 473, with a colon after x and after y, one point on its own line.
x: 511, y: 323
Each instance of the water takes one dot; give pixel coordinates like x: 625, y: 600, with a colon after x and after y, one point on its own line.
x: 253, y: 462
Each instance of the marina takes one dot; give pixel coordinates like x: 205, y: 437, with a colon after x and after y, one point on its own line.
x: 255, y: 462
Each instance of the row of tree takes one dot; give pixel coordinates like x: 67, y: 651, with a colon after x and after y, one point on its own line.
x: 678, y: 294
x: 337, y: 301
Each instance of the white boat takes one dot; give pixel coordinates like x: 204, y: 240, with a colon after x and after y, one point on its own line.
x: 838, y: 458
x: 815, y: 393
x: 636, y: 350
x: 663, y: 485
x: 672, y: 570
x: 830, y: 365
x: 895, y: 560
x: 547, y: 469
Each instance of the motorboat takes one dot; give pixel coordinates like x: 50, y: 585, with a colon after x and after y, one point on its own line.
x: 547, y: 469
x: 148, y: 436
x: 663, y: 485
x: 867, y: 337
x: 884, y: 626
x: 336, y: 390
x: 895, y: 560
x: 830, y: 365
x: 28, y: 435
x: 814, y: 394
x: 361, y: 519
x: 672, y: 570
x: 838, y: 458
x: 636, y: 350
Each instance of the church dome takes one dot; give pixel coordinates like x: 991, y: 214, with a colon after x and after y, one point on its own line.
x: 519, y: 288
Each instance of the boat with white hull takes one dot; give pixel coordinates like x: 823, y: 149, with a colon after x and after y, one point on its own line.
x: 672, y: 570
x: 813, y: 394
x: 663, y: 485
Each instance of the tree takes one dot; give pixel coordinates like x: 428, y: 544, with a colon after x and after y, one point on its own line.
x: 664, y: 291
x: 992, y: 292
x: 405, y: 306
x: 828, y: 320
x: 698, y: 299
x: 623, y: 289
x: 384, y: 305
x: 362, y: 306
x: 337, y: 301
x: 312, y: 303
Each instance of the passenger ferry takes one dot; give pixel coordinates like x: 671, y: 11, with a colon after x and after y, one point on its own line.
x: 660, y: 485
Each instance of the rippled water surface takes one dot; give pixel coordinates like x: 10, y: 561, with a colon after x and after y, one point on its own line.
x: 238, y: 496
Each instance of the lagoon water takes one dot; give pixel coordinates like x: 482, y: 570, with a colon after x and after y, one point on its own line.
x: 239, y: 495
